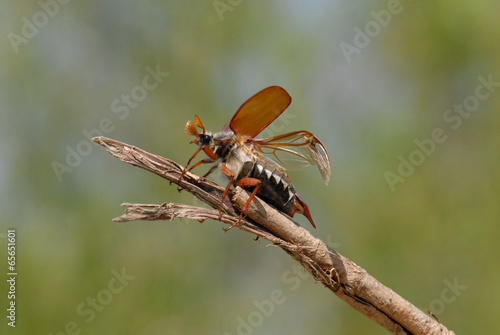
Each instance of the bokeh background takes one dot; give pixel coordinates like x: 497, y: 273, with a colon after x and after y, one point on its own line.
x: 371, y: 79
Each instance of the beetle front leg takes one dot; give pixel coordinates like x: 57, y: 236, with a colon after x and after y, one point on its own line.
x: 212, y: 157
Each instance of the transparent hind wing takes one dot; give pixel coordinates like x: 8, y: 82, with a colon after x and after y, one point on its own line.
x: 296, y: 150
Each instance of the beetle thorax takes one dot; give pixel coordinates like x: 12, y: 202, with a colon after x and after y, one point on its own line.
x: 221, y: 143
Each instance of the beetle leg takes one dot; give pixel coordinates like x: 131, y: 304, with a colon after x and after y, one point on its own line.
x: 230, y: 175
x: 189, y: 162
x: 210, y: 171
x: 203, y: 161
x: 247, y: 182
x: 209, y: 153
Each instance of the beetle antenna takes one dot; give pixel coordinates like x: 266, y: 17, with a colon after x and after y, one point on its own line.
x: 191, y: 129
x: 199, y: 124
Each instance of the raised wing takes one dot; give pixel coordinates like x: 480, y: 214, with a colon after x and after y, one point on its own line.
x: 259, y: 111
x: 295, y: 150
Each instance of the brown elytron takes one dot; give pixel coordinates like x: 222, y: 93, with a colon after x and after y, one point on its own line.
x: 259, y: 163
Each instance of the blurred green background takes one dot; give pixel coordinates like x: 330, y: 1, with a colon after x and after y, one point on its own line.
x: 372, y: 79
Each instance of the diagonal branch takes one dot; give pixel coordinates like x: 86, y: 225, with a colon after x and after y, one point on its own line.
x: 343, y: 277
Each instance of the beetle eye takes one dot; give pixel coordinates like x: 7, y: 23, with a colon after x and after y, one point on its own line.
x: 205, y: 139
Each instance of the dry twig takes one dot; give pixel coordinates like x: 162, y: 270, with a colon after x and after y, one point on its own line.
x: 346, y: 279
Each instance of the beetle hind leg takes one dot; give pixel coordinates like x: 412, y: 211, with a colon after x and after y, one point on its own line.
x: 246, y: 182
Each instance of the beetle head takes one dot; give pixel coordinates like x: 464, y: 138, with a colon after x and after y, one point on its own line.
x: 199, y: 138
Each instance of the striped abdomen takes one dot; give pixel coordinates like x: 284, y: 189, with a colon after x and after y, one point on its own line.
x: 276, y: 189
